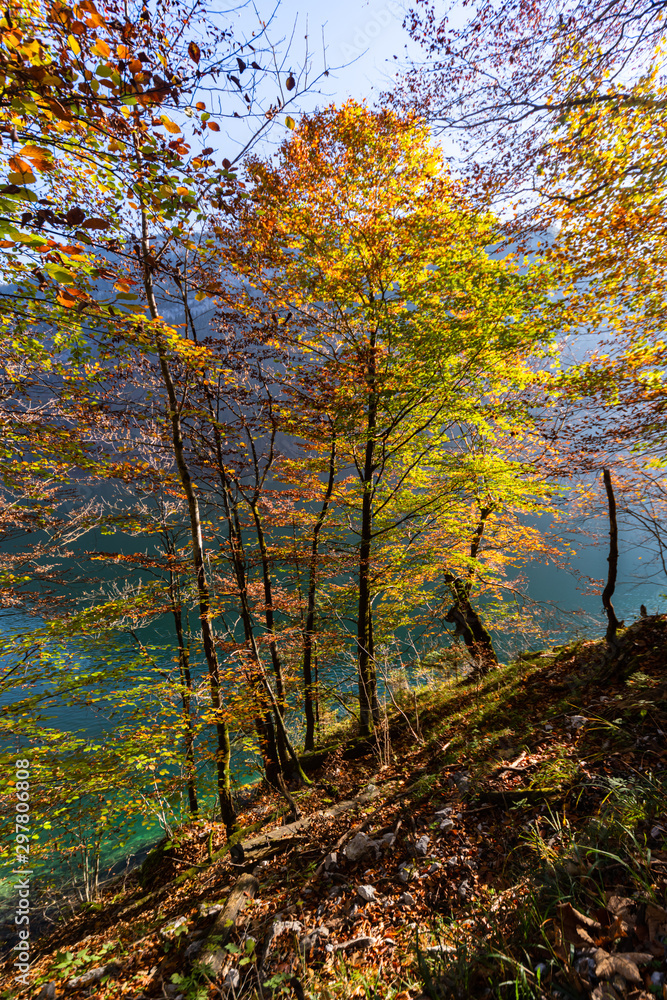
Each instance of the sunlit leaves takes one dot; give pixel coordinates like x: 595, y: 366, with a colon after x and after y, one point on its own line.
x: 361, y: 255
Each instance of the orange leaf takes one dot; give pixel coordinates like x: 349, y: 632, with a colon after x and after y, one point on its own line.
x: 101, y: 48
x: 66, y: 298
x: 19, y: 165
x: 58, y: 110
x: 95, y: 21
x: 214, y: 127
x: 40, y: 158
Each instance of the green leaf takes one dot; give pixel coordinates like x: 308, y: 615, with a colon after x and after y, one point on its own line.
x: 59, y: 274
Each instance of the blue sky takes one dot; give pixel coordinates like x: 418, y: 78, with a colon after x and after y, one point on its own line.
x: 360, y: 39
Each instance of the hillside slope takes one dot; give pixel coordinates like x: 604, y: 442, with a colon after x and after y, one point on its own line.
x: 505, y: 837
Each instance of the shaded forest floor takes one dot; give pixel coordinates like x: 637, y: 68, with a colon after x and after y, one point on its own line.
x: 505, y: 837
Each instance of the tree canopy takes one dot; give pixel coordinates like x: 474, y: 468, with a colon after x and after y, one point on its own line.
x: 272, y: 424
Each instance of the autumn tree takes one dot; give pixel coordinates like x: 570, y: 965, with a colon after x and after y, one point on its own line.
x: 91, y: 788
x: 83, y: 143
x: 559, y: 111
x: 90, y: 92
x: 503, y: 78
x: 234, y: 435
x: 376, y: 272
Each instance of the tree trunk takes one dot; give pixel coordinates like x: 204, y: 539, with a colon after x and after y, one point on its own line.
x: 369, y: 709
x: 274, y: 752
x: 470, y: 626
x: 223, y: 754
x: 468, y: 623
x: 270, y: 628
x: 257, y: 667
x: 186, y: 693
x: 267, y: 739
x: 265, y: 727
x: 309, y: 690
x: 214, y: 955
x: 236, y: 546
x: 613, y: 623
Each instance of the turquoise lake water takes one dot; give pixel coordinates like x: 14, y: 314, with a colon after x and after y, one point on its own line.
x: 553, y: 588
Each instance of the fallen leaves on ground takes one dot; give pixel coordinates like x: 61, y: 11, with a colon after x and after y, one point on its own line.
x: 446, y: 859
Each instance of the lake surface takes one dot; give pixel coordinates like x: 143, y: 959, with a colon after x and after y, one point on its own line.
x: 553, y: 589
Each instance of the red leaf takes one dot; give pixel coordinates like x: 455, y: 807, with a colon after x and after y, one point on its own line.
x: 58, y: 110
x: 75, y: 216
x: 96, y: 224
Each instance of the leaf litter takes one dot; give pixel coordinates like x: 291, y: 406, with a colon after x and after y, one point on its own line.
x: 529, y: 862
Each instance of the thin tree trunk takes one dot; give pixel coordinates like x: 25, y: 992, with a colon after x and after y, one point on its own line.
x: 269, y: 621
x: 184, y: 675
x: 96, y: 869
x: 255, y: 659
x: 613, y: 623
x: 310, y: 691
x: 369, y: 709
x: 270, y: 628
x: 267, y: 738
x: 468, y: 623
x: 263, y: 723
x: 268, y: 613
x: 258, y: 669
x: 236, y: 543
x: 223, y: 753
x: 365, y: 652
x: 186, y: 694
x: 274, y: 752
